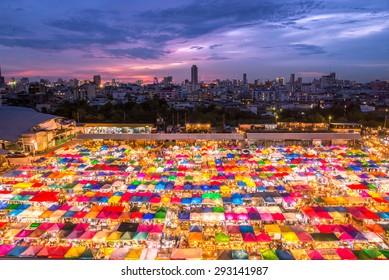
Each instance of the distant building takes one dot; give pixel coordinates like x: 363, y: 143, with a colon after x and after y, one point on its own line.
x: 194, y: 75
x: 97, y: 80
x: 2, y: 80
x: 87, y: 92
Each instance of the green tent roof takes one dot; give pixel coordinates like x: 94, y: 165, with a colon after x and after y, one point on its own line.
x: 269, y: 255
x: 222, y: 237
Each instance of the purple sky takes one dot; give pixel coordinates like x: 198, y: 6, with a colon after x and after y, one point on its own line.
x: 140, y: 39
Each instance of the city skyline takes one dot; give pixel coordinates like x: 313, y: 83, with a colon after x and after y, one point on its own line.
x: 141, y: 40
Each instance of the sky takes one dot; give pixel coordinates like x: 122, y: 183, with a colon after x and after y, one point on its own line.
x: 143, y: 39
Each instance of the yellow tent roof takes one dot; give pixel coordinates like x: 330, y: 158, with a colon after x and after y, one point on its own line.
x: 300, y: 254
x: 114, y: 199
x: 285, y: 229
x: 91, y: 215
x: 100, y: 236
x: 75, y: 252
x: 107, y: 251
x: 114, y: 236
x: 195, y: 237
x: 272, y: 229
x: 134, y: 254
x: 290, y: 237
x: 22, y: 185
x: 11, y: 233
x: 46, y: 214
x: 336, y: 215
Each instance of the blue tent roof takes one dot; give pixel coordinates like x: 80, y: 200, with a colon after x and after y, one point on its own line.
x: 240, y: 255
x: 15, y: 252
x: 237, y: 201
x: 186, y: 200
x: 148, y: 216
x: 196, y: 229
x: 246, y: 229
x: 196, y: 200
x: 184, y: 216
x: 284, y: 255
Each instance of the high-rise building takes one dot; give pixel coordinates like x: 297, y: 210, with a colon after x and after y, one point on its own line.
x: 280, y: 81
x: 2, y: 80
x: 155, y: 82
x: 97, y: 80
x: 291, y: 78
x: 244, y: 78
x: 194, y: 75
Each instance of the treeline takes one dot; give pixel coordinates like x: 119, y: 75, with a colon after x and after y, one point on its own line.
x: 150, y: 110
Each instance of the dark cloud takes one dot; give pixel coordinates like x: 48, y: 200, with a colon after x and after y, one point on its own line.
x: 275, y: 26
x: 140, y: 53
x: 101, y: 31
x: 305, y: 49
x: 197, y: 48
x: 153, y: 28
x: 215, y: 46
x: 202, y: 16
x: 10, y: 30
x: 216, y: 57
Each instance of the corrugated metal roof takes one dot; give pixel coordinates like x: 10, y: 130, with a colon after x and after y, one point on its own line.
x: 14, y: 121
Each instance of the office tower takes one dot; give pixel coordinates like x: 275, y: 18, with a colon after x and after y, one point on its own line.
x: 291, y: 78
x: 194, y: 75
x: 244, y: 78
x: 280, y: 81
x: 97, y: 80
x: 2, y: 80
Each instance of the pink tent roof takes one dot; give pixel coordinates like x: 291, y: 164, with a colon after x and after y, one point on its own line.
x: 266, y: 216
x: 324, y: 228
x: 5, y: 249
x: 114, y: 215
x: 249, y: 237
x: 175, y: 200
x: 144, y: 228
x: 263, y: 237
x: 315, y: 255
x: 79, y: 215
x: 31, y: 251
x: 56, y: 227
x: 278, y: 217
x: 81, y: 226
x: 24, y: 233
x: 324, y: 216
x: 345, y: 254
x: 233, y: 229
x: 87, y: 235
x: 304, y: 236
x: 230, y: 216
x: 45, y: 226
x: 242, y: 216
x: 345, y: 236
x: 157, y: 229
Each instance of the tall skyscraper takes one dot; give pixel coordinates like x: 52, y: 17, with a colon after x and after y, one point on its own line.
x: 2, y: 80
x: 291, y: 78
x: 244, y: 78
x: 97, y: 80
x: 194, y: 75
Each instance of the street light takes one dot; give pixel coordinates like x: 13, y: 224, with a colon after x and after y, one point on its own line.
x: 329, y: 119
